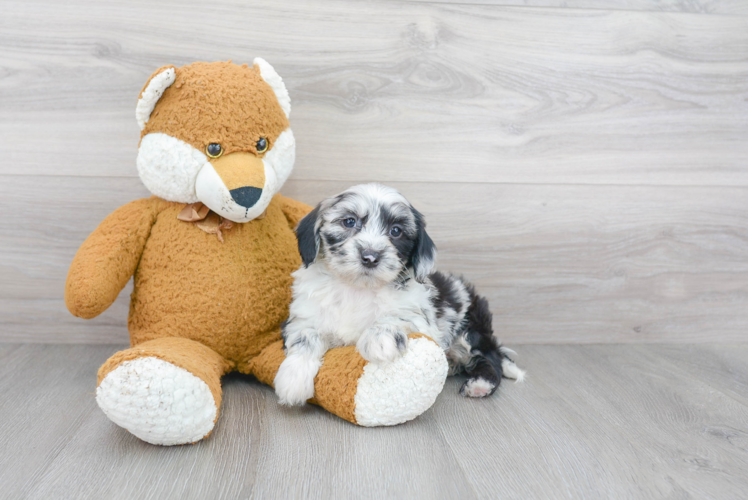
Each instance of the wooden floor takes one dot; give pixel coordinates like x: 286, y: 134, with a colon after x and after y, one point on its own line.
x: 592, y: 421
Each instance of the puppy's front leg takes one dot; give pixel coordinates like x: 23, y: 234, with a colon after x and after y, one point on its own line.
x: 383, y: 342
x: 294, y: 382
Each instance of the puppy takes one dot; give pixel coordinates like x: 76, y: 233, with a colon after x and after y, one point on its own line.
x: 367, y: 279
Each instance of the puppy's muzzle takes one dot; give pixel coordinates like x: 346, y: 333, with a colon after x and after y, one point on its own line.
x: 369, y: 258
x: 244, y: 177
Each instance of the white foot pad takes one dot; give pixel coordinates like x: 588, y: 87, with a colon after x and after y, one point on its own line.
x: 477, y: 388
x: 158, y: 402
x: 393, y: 393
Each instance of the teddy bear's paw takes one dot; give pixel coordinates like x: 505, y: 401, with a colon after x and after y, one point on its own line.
x: 393, y: 393
x: 382, y: 344
x: 158, y: 402
x: 294, y: 382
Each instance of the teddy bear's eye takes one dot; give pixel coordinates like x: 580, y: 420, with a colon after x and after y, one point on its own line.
x: 262, y: 145
x: 214, y: 150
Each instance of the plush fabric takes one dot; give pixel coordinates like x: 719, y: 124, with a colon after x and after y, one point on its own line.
x: 158, y: 401
x: 210, y: 294
x: 189, y: 284
x: 152, y: 92
x: 108, y: 258
x: 335, y: 384
x: 396, y: 392
x: 169, y: 167
x: 219, y: 102
x: 384, y: 396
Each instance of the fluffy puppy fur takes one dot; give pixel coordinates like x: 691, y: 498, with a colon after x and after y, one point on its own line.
x: 367, y: 279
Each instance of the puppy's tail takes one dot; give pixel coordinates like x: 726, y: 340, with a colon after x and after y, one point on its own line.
x: 509, y: 368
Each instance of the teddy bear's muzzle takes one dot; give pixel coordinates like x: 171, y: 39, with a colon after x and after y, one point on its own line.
x: 234, y: 186
x: 241, y: 173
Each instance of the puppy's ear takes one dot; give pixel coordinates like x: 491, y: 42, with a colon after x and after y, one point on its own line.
x: 308, y: 237
x: 424, y: 252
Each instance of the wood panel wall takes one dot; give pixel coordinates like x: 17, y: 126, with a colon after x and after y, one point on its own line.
x: 584, y: 162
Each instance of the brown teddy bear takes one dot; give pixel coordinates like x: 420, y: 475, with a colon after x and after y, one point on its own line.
x: 211, y: 254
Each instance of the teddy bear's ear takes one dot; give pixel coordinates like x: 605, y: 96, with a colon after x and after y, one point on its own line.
x: 276, y: 83
x: 152, y: 92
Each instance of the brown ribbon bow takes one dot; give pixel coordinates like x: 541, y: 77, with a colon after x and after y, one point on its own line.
x: 207, y: 220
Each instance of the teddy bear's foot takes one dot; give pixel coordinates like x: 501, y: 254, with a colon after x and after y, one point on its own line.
x: 393, y: 393
x: 370, y: 394
x: 156, y: 400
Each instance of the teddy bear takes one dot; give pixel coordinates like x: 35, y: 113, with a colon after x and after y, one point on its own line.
x: 211, y: 254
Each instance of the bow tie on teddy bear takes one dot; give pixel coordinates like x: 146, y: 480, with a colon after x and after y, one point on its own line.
x: 207, y: 220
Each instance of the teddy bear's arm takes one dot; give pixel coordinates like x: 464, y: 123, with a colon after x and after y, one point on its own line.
x: 293, y: 210
x: 106, y: 260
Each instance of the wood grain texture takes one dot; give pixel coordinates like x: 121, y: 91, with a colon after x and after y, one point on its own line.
x: 723, y: 7
x: 585, y: 166
x: 625, y: 425
x: 558, y: 263
x: 609, y: 421
x: 725, y: 368
x: 398, y: 91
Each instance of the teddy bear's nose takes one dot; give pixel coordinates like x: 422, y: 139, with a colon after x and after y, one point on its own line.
x: 246, y: 196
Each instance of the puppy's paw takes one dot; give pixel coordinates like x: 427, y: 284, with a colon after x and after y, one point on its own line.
x: 382, y: 344
x: 294, y: 382
x: 477, y: 388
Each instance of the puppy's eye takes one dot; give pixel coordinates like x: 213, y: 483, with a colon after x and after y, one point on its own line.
x: 214, y: 150
x: 349, y: 222
x: 396, y: 231
x: 262, y: 145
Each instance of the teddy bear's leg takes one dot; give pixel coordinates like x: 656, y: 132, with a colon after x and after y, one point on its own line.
x: 165, y: 391
x: 365, y: 393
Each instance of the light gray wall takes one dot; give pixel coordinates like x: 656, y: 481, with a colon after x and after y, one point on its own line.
x: 586, y: 166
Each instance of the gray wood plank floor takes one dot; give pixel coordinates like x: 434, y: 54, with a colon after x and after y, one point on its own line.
x: 595, y: 421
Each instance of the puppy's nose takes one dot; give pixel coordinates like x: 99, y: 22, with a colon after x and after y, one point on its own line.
x: 246, y: 196
x: 369, y: 257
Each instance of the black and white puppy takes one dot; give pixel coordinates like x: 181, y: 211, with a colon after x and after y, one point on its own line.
x: 367, y: 279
